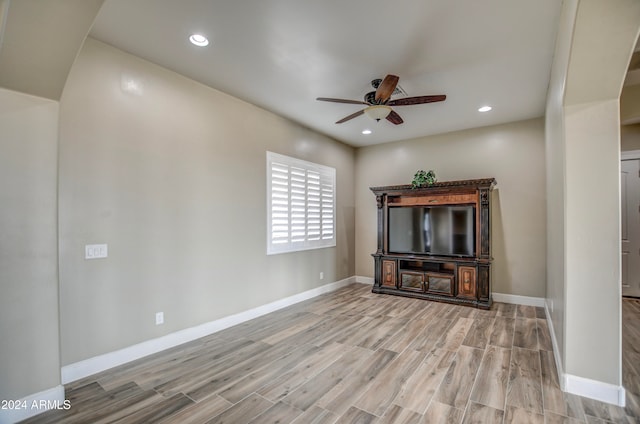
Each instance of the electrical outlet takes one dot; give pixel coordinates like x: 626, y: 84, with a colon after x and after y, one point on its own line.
x: 322, y: 275
x: 159, y: 318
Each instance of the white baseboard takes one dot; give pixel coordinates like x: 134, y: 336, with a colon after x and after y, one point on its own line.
x: 364, y: 280
x: 34, y: 404
x: 87, y: 367
x: 594, y: 389
x: 556, y: 350
x: 581, y: 386
x: 518, y: 300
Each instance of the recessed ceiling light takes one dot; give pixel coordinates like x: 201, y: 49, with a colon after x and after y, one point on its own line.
x: 484, y: 109
x: 199, y: 40
x: 366, y: 132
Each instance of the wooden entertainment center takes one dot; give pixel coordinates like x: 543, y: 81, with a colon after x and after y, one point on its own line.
x: 453, y: 277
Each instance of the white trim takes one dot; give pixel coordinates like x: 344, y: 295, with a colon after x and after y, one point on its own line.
x: 518, y: 300
x: 87, y: 367
x: 594, y: 389
x: 365, y: 280
x: 581, y: 386
x: 556, y: 350
x: 35, y: 404
x: 630, y: 154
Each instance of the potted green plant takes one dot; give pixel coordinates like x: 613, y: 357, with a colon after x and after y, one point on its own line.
x: 423, y: 179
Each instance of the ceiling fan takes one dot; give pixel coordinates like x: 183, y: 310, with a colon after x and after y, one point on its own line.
x: 379, y: 104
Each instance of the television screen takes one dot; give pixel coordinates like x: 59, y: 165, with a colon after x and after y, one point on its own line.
x: 435, y: 230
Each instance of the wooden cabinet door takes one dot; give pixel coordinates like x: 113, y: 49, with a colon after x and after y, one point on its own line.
x: 467, y: 282
x: 412, y: 281
x: 389, y: 273
x: 440, y: 283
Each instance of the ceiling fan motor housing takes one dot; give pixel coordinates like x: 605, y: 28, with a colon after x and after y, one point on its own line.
x: 370, y: 97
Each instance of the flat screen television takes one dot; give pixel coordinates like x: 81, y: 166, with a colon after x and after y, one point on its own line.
x: 432, y: 230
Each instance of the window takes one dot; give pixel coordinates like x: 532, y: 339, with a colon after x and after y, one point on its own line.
x: 301, y: 205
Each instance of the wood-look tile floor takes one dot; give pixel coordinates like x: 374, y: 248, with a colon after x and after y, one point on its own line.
x: 352, y: 356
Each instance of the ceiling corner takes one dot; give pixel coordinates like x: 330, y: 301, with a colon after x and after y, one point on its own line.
x: 39, y: 42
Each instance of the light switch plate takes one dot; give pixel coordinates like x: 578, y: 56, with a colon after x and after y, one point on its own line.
x: 96, y: 251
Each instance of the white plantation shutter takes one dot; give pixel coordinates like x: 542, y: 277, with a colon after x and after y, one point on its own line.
x: 301, y: 204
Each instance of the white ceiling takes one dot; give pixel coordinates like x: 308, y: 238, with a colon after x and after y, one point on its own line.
x: 282, y: 54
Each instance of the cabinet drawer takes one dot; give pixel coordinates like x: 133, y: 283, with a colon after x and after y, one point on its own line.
x: 412, y: 281
x: 440, y: 284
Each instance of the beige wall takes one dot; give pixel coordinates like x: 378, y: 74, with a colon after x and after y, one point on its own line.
x: 173, y: 179
x: 593, y: 241
x: 512, y: 153
x: 29, y: 356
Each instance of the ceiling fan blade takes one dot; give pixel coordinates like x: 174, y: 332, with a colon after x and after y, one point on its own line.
x: 353, y: 102
x: 353, y: 115
x: 394, y: 118
x: 386, y: 87
x: 417, y: 100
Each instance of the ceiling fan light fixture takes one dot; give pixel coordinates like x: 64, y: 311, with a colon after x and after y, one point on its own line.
x: 378, y: 112
x: 379, y: 102
x: 366, y: 132
x: 485, y: 109
x: 199, y: 40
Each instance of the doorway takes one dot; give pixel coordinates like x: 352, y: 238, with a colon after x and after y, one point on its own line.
x: 630, y: 223
x: 630, y: 272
